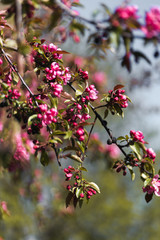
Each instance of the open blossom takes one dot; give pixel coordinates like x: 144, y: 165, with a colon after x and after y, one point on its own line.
x: 154, y: 187
x: 137, y: 136
x: 152, y: 23
x: 91, y: 90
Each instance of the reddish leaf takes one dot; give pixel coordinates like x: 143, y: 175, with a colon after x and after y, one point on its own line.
x: 118, y: 87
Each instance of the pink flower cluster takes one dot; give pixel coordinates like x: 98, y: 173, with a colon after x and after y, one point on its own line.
x: 91, y: 90
x: 155, y: 186
x: 76, y: 115
x: 83, y: 74
x: 150, y: 154
x: 90, y: 192
x: 47, y: 116
x: 57, y: 89
x: 14, y: 94
x: 119, y: 97
x: 51, y: 48
x: 21, y: 154
x: 80, y: 133
x: 127, y: 12
x: 55, y: 71
x: 137, y: 136
x: 68, y: 173
x: 152, y: 23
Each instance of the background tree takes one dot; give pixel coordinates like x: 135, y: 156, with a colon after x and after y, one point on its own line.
x: 54, y: 108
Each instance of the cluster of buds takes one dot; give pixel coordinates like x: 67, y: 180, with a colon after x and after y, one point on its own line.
x: 83, y: 74
x: 47, y: 116
x: 150, y: 154
x: 119, y: 97
x: 57, y: 89
x: 80, y: 133
x: 69, y: 172
x: 137, y: 136
x: 55, y: 71
x: 13, y: 94
x: 80, y: 187
x: 76, y: 114
x: 127, y: 12
x: 152, y: 23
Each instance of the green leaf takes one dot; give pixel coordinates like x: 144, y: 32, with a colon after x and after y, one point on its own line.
x: 15, y: 78
x: 78, y: 93
x: 136, y: 149
x: 79, y: 26
x: 78, y: 192
x: 147, y: 181
x: 144, y: 175
x: 31, y: 118
x: 55, y: 17
x: 69, y: 199
x: 131, y: 172
x: 80, y: 145
x: 24, y: 49
x: 4, y: 85
x: 68, y: 135
x: 118, y: 109
x: 138, y: 55
x: 80, y: 203
x: 106, y: 113
x: 53, y: 101
x: 75, y: 158
x: 68, y: 148
x: 148, y: 197
x: 44, y: 158
x: 56, y: 140
x: 121, y: 138
x: 94, y: 186
x: 83, y: 169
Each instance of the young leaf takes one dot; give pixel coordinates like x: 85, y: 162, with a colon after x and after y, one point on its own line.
x: 31, y: 118
x: 119, y: 86
x: 69, y: 199
x: 136, y: 149
x: 75, y: 157
x: 148, y: 197
x: 44, y: 158
x: 95, y: 186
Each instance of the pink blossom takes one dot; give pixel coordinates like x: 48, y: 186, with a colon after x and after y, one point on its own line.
x: 21, y: 153
x: 151, y: 154
x: 1, y: 126
x: 127, y: 12
x: 81, y: 195
x: 99, y: 77
x: 137, y: 136
x: 156, y: 185
x: 78, y: 61
x: 152, y: 22
x: 113, y: 150
x: 4, y: 207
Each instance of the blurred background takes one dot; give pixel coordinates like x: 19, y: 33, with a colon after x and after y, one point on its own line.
x: 36, y: 199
